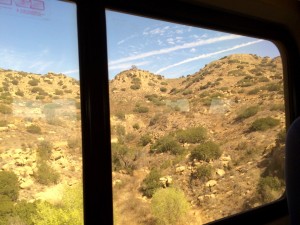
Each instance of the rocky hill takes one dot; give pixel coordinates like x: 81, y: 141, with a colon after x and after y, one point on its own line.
x: 40, y: 113
x: 217, y: 135
x: 233, y: 99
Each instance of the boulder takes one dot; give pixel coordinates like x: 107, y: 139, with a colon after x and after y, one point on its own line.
x: 180, y: 169
x: 220, y: 172
x: 211, y: 183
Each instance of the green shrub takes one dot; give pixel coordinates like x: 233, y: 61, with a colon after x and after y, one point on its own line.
x: 4, y: 109
x: 164, y: 83
x: 44, y: 150
x: 273, y: 87
x: 263, y: 124
x: 268, y: 188
x: 23, y: 211
x: 6, y: 98
x: 187, y: 92
x: 253, y: 91
x: 121, y: 157
x: 74, y: 142
x: 206, y: 151
x: 34, y: 129
x: 167, y: 144
x: 3, y: 123
x: 46, y: 175
x: 151, y: 183
x: 192, y: 135
x: 281, y: 137
x: 163, y: 89
x: 141, y: 109
x: 248, y: 112
x: 135, y: 86
x: 58, y: 92
x: 154, y: 119
x: 39, y: 90
x: 20, y: 93
x: 263, y: 79
x: 15, y: 82
x: 120, y: 115
x: 278, y: 107
x: 120, y: 130
x: 145, y: 139
x: 9, y: 185
x: 170, y: 206
x: 33, y: 82
x: 6, y: 209
x: 203, y: 172
x: 136, y: 126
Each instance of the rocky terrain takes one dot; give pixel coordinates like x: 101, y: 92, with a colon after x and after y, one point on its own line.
x: 226, y: 98
x: 217, y: 135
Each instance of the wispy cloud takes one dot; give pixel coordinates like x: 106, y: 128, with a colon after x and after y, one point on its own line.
x: 70, y: 71
x: 207, y: 55
x: 175, y: 48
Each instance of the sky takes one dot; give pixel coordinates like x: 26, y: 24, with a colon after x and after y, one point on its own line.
x: 170, y: 49
x: 39, y: 38
x: 43, y: 38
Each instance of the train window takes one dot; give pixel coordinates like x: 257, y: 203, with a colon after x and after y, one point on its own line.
x: 197, y: 121
x: 40, y: 124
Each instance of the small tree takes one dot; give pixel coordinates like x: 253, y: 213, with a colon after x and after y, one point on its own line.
x: 169, y: 206
x: 9, y: 185
x: 151, y: 183
x: 206, y: 151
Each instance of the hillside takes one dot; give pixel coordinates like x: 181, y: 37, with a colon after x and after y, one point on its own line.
x: 217, y: 135
x: 225, y: 98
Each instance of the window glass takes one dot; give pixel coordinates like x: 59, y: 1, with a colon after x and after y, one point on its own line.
x: 40, y: 132
x: 197, y: 122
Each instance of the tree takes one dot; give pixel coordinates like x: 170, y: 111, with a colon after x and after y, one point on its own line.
x: 69, y: 211
x: 9, y: 185
x: 169, y: 206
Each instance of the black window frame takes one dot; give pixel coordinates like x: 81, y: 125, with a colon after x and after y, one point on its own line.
x: 93, y: 62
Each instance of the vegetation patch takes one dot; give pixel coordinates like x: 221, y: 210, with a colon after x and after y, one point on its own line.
x: 192, y: 135
x: 167, y: 144
x: 263, y: 124
x: 206, y: 151
x: 151, y: 183
x: 248, y: 112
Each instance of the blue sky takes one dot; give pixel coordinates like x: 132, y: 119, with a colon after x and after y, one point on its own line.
x: 41, y: 41
x: 171, y: 49
x: 45, y: 40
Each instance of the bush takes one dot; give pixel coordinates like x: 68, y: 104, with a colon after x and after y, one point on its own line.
x: 33, y: 82
x: 6, y: 209
x: 6, y: 98
x: 278, y: 107
x: 136, y: 126
x: 122, y: 157
x: 24, y: 211
x: 154, y: 119
x: 4, y: 109
x: 141, y: 109
x: 20, y: 93
x: 120, y: 115
x: 39, y: 90
x: 135, y: 86
x: 9, y: 185
x: 46, y: 175
x: 163, y: 89
x: 273, y: 87
x: 253, y: 91
x: 68, y: 211
x: 206, y: 151
x: 203, y: 172
x: 3, y: 123
x: 34, y: 129
x: 74, y: 142
x: 269, y: 188
x: 192, y: 135
x: 167, y: 144
x: 44, y: 150
x: 15, y: 82
x: 187, y: 92
x: 58, y: 92
x: 248, y: 112
x: 263, y: 124
x: 151, y: 183
x: 145, y: 139
x: 170, y: 206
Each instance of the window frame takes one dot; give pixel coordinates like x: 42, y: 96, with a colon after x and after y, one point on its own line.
x: 97, y: 171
